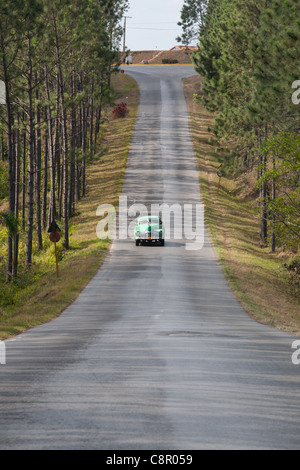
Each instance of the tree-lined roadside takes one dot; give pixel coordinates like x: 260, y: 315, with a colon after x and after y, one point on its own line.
x: 248, y: 59
x: 56, y: 60
x: 37, y: 296
x: 245, y: 121
x: 259, y: 278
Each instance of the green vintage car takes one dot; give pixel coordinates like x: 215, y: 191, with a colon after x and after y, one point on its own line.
x: 149, y: 229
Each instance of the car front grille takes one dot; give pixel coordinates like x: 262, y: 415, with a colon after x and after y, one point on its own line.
x: 146, y: 235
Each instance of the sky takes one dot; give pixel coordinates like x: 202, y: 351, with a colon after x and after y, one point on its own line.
x: 153, y: 24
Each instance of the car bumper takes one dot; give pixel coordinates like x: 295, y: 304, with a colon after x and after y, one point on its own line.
x: 149, y: 240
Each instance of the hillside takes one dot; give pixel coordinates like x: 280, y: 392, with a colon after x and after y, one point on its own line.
x: 179, y: 53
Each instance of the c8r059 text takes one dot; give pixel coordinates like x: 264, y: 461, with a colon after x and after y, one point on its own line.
x: 171, y: 459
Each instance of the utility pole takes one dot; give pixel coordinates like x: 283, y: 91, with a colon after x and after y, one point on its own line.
x: 124, y: 33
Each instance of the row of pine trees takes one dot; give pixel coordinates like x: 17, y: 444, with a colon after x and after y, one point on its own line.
x: 249, y: 59
x: 56, y: 60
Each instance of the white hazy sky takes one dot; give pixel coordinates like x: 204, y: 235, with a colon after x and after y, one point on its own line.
x: 153, y: 24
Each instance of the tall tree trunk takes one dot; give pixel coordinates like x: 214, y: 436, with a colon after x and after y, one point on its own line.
x: 45, y: 175
x: 98, y: 123
x: 24, y: 176
x: 79, y: 146
x: 30, y: 162
x: 273, y: 237
x: 99, y: 113
x: 38, y: 166
x: 2, y: 148
x: 73, y: 149
x: 263, y: 191
x: 91, y: 140
x: 64, y: 141
x: 57, y: 147
x: 17, y: 199
x: 11, y: 155
x: 51, y: 150
x: 84, y: 145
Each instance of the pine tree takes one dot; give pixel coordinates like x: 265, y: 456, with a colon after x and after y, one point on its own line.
x: 248, y: 60
x: 56, y: 61
x: 192, y: 20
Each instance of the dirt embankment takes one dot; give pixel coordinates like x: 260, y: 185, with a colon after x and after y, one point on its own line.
x: 182, y: 56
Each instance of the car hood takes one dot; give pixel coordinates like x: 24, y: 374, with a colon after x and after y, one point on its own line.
x: 148, y: 228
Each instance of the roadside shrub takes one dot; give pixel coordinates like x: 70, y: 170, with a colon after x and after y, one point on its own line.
x: 169, y: 61
x: 293, y: 267
x: 8, y: 294
x: 120, y: 111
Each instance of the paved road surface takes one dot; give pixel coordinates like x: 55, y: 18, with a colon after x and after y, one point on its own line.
x: 156, y: 353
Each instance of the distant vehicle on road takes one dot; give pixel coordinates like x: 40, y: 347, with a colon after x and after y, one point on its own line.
x: 149, y: 229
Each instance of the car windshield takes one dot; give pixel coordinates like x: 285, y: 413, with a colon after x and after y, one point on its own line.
x: 148, y: 220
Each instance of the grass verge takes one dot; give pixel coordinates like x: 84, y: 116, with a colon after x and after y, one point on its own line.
x: 38, y: 296
x: 256, y: 276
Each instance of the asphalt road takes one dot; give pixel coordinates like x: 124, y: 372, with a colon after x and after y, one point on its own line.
x: 156, y: 353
